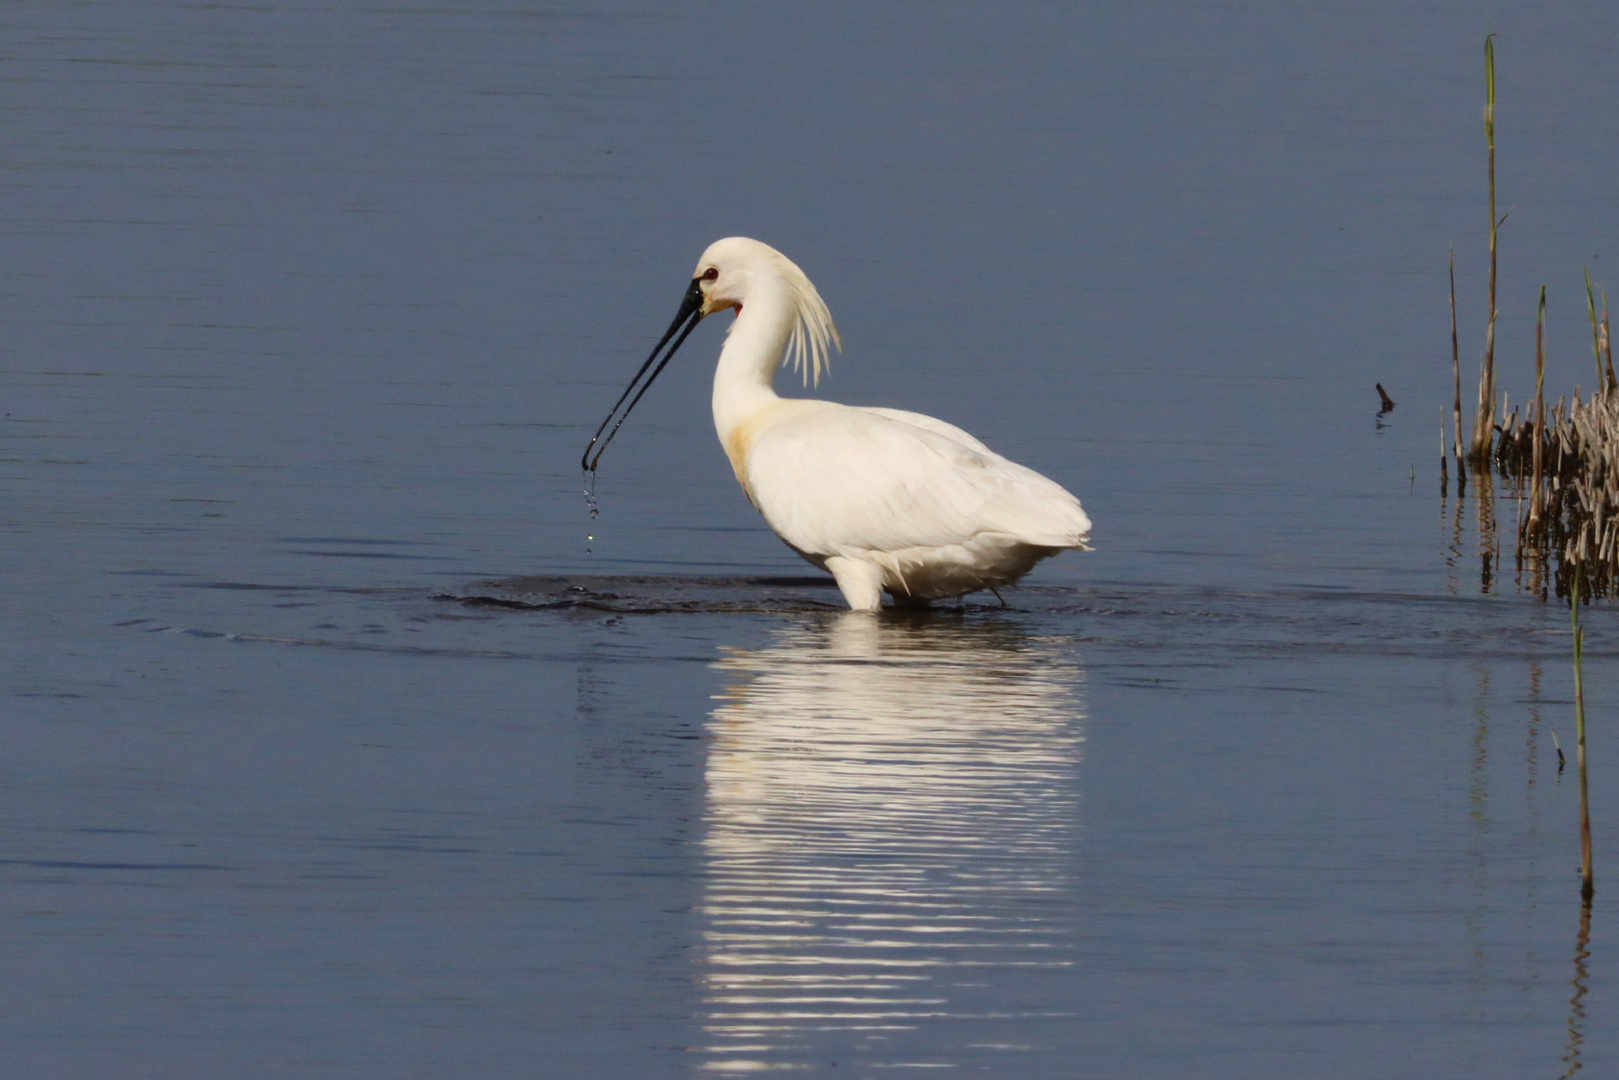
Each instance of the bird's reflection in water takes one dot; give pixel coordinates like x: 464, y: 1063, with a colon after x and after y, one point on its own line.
x: 890, y: 827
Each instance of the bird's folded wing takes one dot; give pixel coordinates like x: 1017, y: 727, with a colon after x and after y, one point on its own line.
x: 929, y: 423
x: 842, y: 481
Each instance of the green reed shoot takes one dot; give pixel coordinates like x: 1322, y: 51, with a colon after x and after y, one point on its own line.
x: 1596, y: 330
x: 1456, y: 374
x: 1587, y: 882
x: 1484, y: 421
x: 1537, y: 493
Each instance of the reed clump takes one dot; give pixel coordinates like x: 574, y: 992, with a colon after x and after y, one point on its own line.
x: 1572, y: 523
x: 1563, y: 461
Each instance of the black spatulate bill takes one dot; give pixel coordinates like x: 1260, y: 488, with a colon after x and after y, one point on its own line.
x: 690, y: 314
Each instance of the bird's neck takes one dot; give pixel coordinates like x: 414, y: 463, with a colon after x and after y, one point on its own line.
x: 744, y: 382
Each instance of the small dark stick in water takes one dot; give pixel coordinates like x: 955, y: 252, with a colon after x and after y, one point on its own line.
x: 1388, y: 406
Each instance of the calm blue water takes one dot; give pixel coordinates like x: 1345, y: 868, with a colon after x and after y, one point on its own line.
x: 308, y: 310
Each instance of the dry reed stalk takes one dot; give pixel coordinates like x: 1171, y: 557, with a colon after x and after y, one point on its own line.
x: 1578, y: 489
x: 1607, y: 342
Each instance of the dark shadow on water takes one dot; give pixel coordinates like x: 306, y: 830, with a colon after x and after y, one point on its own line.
x: 1297, y: 621
x: 648, y: 595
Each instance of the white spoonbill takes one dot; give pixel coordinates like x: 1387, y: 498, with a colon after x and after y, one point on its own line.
x: 881, y: 498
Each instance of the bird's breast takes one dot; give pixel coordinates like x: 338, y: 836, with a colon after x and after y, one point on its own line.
x: 739, y: 439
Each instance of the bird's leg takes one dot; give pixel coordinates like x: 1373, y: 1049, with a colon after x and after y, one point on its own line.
x: 999, y: 597
x: 860, y: 582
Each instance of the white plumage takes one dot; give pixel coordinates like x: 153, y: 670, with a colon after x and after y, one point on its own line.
x: 885, y: 500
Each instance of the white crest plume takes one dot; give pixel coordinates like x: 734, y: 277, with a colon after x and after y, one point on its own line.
x: 814, y: 334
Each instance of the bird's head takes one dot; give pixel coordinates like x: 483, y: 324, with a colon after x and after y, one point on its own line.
x: 728, y: 273
x: 728, y: 268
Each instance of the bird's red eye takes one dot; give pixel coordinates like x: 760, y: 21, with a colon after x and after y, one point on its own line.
x: 711, y: 273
